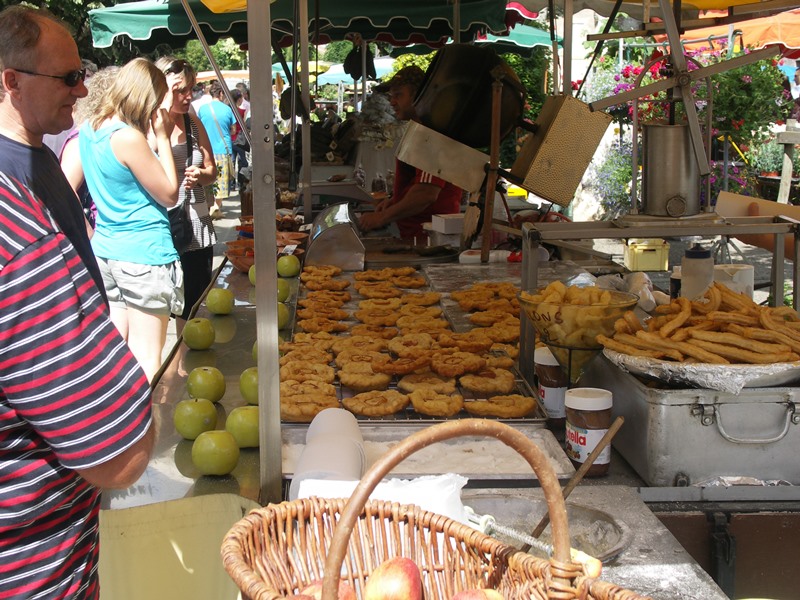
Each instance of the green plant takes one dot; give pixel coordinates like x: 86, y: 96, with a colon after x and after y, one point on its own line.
x: 766, y: 157
x: 609, y: 178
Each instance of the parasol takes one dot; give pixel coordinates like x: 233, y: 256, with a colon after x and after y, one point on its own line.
x: 782, y: 30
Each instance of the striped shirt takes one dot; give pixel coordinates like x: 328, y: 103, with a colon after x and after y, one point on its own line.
x: 71, y: 397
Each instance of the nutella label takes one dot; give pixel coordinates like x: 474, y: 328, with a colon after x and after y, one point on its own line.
x: 553, y: 399
x: 580, y: 442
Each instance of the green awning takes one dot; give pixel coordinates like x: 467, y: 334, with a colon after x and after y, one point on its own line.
x: 148, y: 23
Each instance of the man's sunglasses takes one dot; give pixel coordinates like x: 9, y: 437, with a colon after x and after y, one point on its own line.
x: 176, y: 67
x: 71, y: 79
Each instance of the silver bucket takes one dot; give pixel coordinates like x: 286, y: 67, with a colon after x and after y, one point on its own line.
x: 670, y: 176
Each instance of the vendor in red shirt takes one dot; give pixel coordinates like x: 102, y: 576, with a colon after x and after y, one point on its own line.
x: 416, y: 194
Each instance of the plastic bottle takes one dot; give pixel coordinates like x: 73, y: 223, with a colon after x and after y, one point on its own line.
x: 697, y: 272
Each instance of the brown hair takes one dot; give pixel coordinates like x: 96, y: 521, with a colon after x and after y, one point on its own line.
x: 20, y: 30
x: 136, y: 93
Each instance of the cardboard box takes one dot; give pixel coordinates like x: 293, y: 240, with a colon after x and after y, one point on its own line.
x: 647, y: 255
x: 448, y: 223
x: 437, y: 238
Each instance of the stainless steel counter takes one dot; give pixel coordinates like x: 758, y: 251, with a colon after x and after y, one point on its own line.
x: 654, y: 563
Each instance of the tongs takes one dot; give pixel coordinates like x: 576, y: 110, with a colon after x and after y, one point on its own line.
x: 489, y: 525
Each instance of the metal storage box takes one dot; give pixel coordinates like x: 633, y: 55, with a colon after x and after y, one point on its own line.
x: 686, y: 436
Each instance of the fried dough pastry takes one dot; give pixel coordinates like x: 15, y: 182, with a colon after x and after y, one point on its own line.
x: 327, y: 283
x: 489, y: 381
x: 470, y: 341
x: 421, y: 298
x: 303, y: 408
x: 376, y: 403
x: 321, y: 324
x: 303, y: 371
x: 456, y: 363
x: 512, y: 406
x: 411, y: 344
x: 431, y: 403
x: 403, y: 366
x: 427, y: 380
x: 378, y: 331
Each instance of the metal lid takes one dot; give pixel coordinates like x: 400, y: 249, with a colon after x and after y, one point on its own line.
x: 588, y: 399
x: 544, y: 356
x: 697, y: 251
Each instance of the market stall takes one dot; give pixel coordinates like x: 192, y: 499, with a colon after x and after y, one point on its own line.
x: 260, y: 476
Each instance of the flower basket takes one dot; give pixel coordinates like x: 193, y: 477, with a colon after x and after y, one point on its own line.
x: 275, y: 551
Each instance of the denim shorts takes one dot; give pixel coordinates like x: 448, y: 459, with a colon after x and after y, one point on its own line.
x: 156, y: 289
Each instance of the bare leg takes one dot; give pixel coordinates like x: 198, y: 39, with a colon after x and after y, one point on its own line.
x: 119, y: 317
x: 146, y: 341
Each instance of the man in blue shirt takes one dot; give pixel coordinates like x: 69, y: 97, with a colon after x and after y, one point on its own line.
x: 220, y: 123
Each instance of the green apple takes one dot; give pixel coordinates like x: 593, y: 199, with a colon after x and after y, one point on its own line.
x: 288, y: 265
x: 198, y: 333
x: 251, y: 274
x: 193, y: 417
x: 284, y: 289
x: 215, y: 452
x: 206, y: 382
x: 243, y: 425
x: 220, y: 301
x: 248, y: 385
x: 284, y: 315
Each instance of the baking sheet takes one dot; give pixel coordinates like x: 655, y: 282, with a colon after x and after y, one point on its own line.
x: 723, y: 378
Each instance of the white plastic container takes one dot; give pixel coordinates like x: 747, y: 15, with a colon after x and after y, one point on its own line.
x: 697, y: 272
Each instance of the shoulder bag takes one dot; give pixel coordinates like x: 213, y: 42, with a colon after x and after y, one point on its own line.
x: 179, y: 222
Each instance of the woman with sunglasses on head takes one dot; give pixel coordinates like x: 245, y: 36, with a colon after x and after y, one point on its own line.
x: 194, y: 173
x: 132, y: 188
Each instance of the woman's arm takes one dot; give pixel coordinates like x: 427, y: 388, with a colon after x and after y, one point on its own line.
x: 208, y: 173
x: 157, y: 174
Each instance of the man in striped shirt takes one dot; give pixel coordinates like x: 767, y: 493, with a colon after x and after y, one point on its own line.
x: 416, y: 194
x: 75, y: 407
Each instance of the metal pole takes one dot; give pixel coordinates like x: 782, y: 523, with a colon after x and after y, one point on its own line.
x: 263, y: 149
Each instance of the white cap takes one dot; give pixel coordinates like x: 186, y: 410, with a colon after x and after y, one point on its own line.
x: 543, y: 356
x: 588, y: 399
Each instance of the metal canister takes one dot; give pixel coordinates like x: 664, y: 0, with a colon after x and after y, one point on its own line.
x: 670, y: 175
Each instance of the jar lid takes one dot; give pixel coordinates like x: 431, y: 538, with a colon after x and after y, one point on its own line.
x: 588, y: 399
x: 544, y: 356
x: 697, y: 251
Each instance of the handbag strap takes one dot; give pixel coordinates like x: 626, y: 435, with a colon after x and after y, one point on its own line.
x: 222, y: 135
x: 187, y: 125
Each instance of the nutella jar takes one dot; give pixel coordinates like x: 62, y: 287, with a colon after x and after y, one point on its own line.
x: 551, y: 384
x: 588, y: 419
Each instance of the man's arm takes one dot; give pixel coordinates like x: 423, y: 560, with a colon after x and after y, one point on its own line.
x: 125, y: 469
x: 419, y: 197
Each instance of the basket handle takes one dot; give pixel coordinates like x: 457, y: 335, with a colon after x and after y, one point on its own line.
x: 444, y: 431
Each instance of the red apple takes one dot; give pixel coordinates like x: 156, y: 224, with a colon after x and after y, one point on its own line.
x: 314, y: 590
x: 486, y: 594
x: 395, y: 579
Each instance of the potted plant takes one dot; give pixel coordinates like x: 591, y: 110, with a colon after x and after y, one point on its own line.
x: 766, y: 158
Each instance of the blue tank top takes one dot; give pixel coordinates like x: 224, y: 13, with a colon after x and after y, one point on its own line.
x: 131, y: 226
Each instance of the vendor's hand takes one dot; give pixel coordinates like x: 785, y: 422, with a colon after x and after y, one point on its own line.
x: 383, y: 204
x: 371, y: 220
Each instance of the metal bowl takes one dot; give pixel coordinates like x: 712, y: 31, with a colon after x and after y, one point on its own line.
x: 592, y: 531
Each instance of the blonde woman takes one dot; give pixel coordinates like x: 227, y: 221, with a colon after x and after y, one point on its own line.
x: 70, y: 155
x: 194, y: 174
x: 132, y: 188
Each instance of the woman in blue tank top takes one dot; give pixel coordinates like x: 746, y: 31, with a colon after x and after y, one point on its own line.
x: 132, y: 187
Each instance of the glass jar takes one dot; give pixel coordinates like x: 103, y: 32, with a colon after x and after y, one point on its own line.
x: 588, y: 419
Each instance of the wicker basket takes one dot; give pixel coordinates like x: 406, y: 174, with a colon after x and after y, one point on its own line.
x: 276, y: 550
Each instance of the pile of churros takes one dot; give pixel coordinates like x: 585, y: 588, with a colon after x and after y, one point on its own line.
x: 722, y: 328
x: 573, y: 316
